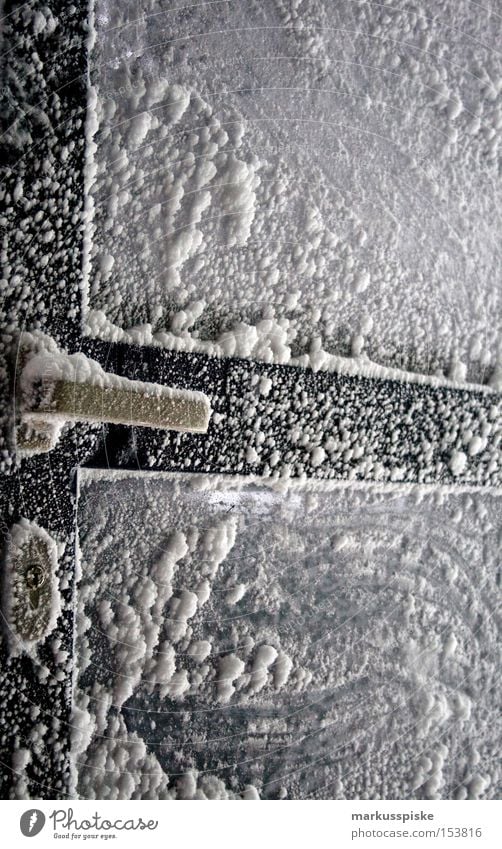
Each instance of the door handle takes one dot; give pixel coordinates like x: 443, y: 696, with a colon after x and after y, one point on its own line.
x: 55, y: 388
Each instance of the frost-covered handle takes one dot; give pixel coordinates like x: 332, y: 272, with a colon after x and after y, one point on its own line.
x: 57, y: 388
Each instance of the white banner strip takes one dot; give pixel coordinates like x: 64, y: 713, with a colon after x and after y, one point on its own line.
x: 337, y: 824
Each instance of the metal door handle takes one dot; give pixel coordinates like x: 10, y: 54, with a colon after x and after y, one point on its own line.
x: 57, y: 388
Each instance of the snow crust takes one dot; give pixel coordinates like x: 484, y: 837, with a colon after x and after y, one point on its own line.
x: 298, y: 183
x: 347, y: 220
x: 361, y: 661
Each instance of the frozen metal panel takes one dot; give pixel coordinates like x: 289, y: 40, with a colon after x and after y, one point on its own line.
x: 326, y: 643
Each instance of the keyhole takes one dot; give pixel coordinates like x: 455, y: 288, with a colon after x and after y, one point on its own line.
x: 35, y: 579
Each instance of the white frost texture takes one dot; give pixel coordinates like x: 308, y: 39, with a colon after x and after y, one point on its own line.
x: 298, y: 181
x: 360, y: 661
x: 312, y: 183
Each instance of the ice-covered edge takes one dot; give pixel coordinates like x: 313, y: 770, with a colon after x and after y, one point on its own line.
x: 90, y: 164
x: 268, y: 337
x: 208, y: 481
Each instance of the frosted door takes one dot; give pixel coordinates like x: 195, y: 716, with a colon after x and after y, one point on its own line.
x: 237, y: 641
x: 329, y: 167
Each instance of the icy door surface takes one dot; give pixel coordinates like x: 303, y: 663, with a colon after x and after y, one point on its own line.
x: 233, y: 640
x: 327, y: 167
